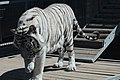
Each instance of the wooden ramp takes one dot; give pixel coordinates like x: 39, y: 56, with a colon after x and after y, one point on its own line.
x: 106, y: 21
x: 89, y: 51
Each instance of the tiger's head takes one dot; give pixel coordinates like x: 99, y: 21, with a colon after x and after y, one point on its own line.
x: 26, y: 35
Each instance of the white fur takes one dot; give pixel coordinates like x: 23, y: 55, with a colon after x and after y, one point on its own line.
x: 50, y: 27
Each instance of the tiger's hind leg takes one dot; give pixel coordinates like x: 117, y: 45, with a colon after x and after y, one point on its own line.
x: 71, y: 64
x: 59, y: 63
x: 71, y: 55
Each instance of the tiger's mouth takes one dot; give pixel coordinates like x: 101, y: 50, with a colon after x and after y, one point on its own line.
x: 27, y: 43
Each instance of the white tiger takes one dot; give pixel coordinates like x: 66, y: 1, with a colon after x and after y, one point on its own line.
x: 42, y: 31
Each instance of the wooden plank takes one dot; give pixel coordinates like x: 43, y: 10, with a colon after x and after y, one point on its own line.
x: 84, y: 43
x: 86, y: 51
x: 97, y: 71
x: 90, y: 30
x: 82, y: 57
x: 81, y: 68
x: 101, y: 67
x: 100, y: 70
x: 116, y: 77
x: 108, y: 63
x: 106, y: 26
x: 49, y: 76
x: 102, y: 36
x: 78, y: 75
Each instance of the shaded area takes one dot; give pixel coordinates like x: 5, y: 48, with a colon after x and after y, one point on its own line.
x: 17, y: 74
x: 112, y: 52
x: 51, y: 68
x: 8, y: 50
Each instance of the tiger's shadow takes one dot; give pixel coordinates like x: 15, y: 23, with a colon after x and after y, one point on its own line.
x: 19, y: 74
x: 16, y: 74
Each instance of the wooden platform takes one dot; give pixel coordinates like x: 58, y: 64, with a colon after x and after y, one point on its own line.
x: 12, y: 68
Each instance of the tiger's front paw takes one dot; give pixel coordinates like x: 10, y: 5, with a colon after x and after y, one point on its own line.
x: 71, y: 67
x: 58, y: 65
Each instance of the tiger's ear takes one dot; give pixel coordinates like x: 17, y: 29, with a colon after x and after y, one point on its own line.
x: 13, y: 30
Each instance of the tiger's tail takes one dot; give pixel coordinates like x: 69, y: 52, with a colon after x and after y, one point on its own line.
x: 81, y: 33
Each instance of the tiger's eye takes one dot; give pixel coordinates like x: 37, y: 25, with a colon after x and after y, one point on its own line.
x: 20, y: 22
x: 32, y: 29
x: 31, y: 39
